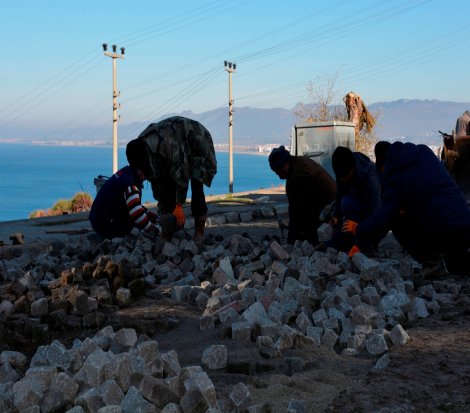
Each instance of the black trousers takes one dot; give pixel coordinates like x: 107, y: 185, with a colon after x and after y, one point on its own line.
x: 167, y: 198
x: 113, y: 227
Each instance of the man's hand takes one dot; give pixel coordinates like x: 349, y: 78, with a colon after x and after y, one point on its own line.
x: 349, y: 226
x: 353, y: 251
x: 179, y: 215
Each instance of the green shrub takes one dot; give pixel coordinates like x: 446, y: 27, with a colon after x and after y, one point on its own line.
x: 62, y: 206
x: 40, y: 213
x: 80, y: 202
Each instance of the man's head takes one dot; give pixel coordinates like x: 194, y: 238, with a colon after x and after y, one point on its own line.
x: 381, y: 150
x: 278, y: 161
x: 344, y: 163
x: 137, y: 155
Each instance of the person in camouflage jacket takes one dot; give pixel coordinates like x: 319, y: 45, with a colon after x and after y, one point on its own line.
x: 174, y: 153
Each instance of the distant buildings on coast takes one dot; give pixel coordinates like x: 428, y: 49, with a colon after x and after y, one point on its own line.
x: 264, y: 149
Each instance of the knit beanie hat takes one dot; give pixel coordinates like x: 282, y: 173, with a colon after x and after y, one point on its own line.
x: 381, y: 150
x: 136, y: 154
x: 278, y: 157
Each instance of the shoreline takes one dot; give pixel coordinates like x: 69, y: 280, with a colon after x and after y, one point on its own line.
x: 93, y: 145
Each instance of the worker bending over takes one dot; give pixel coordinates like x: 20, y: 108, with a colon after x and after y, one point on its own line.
x: 174, y: 153
x: 309, y: 188
x: 421, y: 204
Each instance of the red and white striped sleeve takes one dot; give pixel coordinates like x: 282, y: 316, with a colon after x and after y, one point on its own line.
x: 137, y: 211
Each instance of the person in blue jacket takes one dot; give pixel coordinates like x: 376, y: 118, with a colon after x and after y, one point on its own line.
x: 358, y: 186
x: 421, y: 204
x: 117, y: 208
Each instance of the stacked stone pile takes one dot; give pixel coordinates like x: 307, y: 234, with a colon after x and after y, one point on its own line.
x: 285, y: 297
x: 275, y: 295
x: 113, y: 372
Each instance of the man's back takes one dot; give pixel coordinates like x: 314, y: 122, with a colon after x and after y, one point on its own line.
x: 462, y: 126
x: 425, y: 189
x: 179, y: 149
x: 309, y: 188
x: 109, y: 202
x: 314, y: 176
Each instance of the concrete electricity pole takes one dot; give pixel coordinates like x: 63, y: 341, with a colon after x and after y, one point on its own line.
x: 114, y: 56
x: 230, y: 68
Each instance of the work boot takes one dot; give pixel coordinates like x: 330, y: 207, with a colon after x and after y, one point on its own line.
x: 168, y: 226
x: 199, y: 225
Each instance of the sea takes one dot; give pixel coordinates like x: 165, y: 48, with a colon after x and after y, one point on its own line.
x: 36, y: 176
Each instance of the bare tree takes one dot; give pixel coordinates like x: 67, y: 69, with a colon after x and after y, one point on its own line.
x: 325, y: 106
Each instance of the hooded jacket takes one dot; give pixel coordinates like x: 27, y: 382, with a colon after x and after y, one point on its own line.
x: 416, y: 183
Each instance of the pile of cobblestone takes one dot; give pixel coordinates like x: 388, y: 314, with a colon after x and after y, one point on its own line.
x: 278, y: 296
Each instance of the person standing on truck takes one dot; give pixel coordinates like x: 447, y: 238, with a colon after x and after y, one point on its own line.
x: 117, y: 208
x: 358, y: 193
x: 462, y: 126
x: 174, y: 153
x: 309, y: 188
x: 421, y: 204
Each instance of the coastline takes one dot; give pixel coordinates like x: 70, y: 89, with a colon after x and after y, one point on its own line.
x: 238, y: 149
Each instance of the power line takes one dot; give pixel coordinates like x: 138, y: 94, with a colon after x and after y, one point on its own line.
x: 19, y: 105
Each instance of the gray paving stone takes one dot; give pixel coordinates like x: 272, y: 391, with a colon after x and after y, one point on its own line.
x: 215, y: 357
x: 133, y: 402
x: 399, y: 336
x: 376, y: 344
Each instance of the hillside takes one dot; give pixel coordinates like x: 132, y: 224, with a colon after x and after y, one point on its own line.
x: 414, y: 120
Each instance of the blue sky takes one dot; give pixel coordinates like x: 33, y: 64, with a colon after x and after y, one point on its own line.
x: 55, y: 77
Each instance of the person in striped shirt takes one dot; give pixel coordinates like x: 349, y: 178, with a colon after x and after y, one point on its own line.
x: 117, y: 208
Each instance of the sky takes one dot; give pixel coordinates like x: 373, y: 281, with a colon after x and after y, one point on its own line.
x: 56, y: 82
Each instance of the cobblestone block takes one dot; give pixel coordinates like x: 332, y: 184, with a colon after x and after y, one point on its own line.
x: 399, y: 336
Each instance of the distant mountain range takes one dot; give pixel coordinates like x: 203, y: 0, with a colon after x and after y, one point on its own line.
x: 413, y: 120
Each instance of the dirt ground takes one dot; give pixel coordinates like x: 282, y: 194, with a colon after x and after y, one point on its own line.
x: 431, y: 373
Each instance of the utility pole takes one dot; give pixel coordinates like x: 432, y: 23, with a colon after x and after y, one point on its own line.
x: 230, y: 68
x: 114, y: 55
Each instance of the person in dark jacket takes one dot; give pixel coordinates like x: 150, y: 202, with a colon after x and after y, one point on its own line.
x: 462, y: 126
x: 358, y: 193
x: 117, y: 208
x: 174, y: 153
x: 422, y: 205
x: 309, y: 188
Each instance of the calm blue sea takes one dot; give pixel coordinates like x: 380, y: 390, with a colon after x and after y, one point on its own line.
x: 35, y: 177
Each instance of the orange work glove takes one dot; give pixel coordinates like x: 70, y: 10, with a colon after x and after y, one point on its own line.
x: 349, y: 226
x: 354, y: 250
x: 179, y: 215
